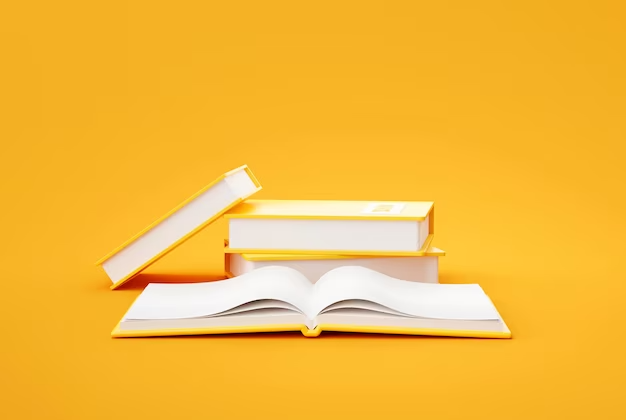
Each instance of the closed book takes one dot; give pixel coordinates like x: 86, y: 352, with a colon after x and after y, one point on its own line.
x: 423, y: 268
x: 178, y: 225
x: 331, y: 227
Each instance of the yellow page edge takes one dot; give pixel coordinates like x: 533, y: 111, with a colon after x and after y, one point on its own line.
x: 119, y: 333
x: 317, y: 217
x: 430, y: 252
x: 309, y: 333
x: 429, y: 332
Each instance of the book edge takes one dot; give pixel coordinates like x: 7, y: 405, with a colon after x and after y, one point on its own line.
x: 174, y: 246
x: 176, y: 332
x: 178, y: 207
x: 422, y: 252
x: 311, y: 333
x: 429, y: 212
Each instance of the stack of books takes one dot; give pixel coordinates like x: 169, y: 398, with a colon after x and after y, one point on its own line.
x: 315, y: 236
x: 301, y: 265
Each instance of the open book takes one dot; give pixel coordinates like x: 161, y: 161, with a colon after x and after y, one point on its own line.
x: 348, y: 298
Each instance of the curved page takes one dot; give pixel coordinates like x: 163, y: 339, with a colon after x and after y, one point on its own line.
x: 439, y: 301
x: 258, y: 305
x: 360, y: 305
x: 175, y: 301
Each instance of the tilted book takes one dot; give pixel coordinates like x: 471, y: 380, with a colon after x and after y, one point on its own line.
x: 347, y: 299
x: 178, y: 225
x: 331, y: 227
x: 423, y: 268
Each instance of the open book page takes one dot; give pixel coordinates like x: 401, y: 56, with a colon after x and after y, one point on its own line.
x: 271, y: 287
x: 362, y: 288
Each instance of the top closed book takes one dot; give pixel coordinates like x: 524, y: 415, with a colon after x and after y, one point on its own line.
x: 331, y: 227
x: 178, y: 225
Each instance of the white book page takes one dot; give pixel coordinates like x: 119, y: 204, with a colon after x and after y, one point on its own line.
x: 257, y: 306
x: 175, y: 301
x: 361, y: 305
x: 439, y: 301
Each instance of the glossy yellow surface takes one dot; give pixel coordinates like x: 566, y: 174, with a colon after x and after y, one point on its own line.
x: 316, y: 332
x: 430, y: 252
x: 326, y: 209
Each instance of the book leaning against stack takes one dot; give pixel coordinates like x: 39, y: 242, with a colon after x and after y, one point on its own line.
x: 301, y: 265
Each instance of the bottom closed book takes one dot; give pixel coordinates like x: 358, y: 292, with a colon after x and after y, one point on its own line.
x: 346, y: 299
x: 423, y: 268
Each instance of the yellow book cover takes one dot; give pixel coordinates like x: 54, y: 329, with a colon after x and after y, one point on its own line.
x: 178, y: 225
x: 327, y: 227
x: 281, y: 299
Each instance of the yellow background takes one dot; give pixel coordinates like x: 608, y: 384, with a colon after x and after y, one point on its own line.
x: 511, y: 117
